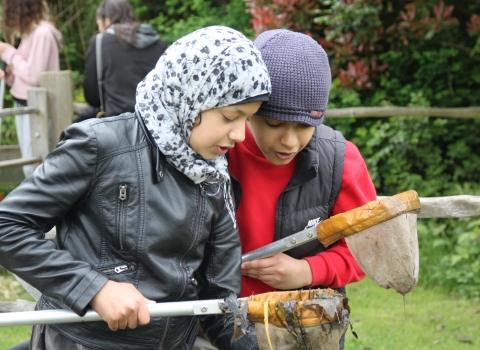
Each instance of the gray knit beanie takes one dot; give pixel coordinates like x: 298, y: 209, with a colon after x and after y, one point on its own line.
x: 300, y: 75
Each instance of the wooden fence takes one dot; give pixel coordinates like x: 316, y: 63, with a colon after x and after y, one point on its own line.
x: 37, y: 101
x: 386, y: 112
x: 52, y: 109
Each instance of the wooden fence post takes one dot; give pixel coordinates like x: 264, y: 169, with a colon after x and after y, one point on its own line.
x: 37, y: 97
x: 59, y: 87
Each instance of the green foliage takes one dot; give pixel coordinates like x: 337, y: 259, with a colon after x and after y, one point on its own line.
x: 430, y: 155
x: 463, y: 264
x: 353, y: 25
x: 183, y: 17
x: 341, y: 97
x: 76, y: 20
x: 427, y: 58
x: 450, y: 255
x: 9, y: 131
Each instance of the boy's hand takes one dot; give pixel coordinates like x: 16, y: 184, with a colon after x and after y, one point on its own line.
x: 121, y: 305
x: 279, y: 271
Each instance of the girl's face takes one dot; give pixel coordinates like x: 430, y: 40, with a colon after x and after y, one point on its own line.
x: 216, y: 130
x: 279, y: 141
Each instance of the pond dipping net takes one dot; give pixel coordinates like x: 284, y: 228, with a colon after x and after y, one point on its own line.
x: 306, y: 320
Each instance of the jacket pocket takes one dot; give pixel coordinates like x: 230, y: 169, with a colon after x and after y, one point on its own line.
x: 122, y: 201
x: 118, y: 268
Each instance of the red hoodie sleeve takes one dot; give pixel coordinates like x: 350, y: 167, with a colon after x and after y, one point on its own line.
x: 336, y: 266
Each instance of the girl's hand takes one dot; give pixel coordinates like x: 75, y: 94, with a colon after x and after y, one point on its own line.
x: 121, y: 305
x: 279, y: 271
x: 5, y: 73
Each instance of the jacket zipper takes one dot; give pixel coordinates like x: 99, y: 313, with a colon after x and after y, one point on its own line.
x: 197, y: 224
x: 122, y: 196
x: 117, y: 269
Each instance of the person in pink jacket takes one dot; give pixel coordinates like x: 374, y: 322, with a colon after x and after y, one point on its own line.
x: 38, y: 52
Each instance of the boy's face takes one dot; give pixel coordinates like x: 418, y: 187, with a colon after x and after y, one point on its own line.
x: 216, y: 130
x: 279, y: 141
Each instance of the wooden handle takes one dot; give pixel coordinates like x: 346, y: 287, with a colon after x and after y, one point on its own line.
x: 353, y: 221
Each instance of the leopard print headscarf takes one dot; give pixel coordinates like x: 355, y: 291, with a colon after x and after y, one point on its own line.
x: 209, y: 68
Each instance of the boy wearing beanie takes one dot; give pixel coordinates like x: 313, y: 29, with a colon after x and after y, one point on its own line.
x: 292, y: 172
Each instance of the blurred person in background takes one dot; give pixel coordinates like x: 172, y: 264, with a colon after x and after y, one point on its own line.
x: 129, y: 50
x: 39, y: 51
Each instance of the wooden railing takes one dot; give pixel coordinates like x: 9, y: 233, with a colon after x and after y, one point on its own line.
x: 50, y: 107
x: 386, y: 112
x: 37, y: 109
x: 461, y: 206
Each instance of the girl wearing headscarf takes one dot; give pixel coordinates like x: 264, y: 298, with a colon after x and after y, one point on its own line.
x: 142, y: 204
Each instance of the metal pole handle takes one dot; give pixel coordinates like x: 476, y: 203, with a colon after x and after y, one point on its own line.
x: 179, y: 308
x: 292, y: 241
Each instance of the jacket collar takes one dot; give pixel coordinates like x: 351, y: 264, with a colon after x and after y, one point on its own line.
x: 157, y: 156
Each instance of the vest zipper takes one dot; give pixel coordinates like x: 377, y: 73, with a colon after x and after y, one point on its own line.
x: 122, y: 196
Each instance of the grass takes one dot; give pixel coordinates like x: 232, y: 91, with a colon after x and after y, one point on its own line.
x: 434, y: 320
x: 13, y: 335
x: 10, y: 290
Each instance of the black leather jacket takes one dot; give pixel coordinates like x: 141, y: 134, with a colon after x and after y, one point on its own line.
x: 122, y: 213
